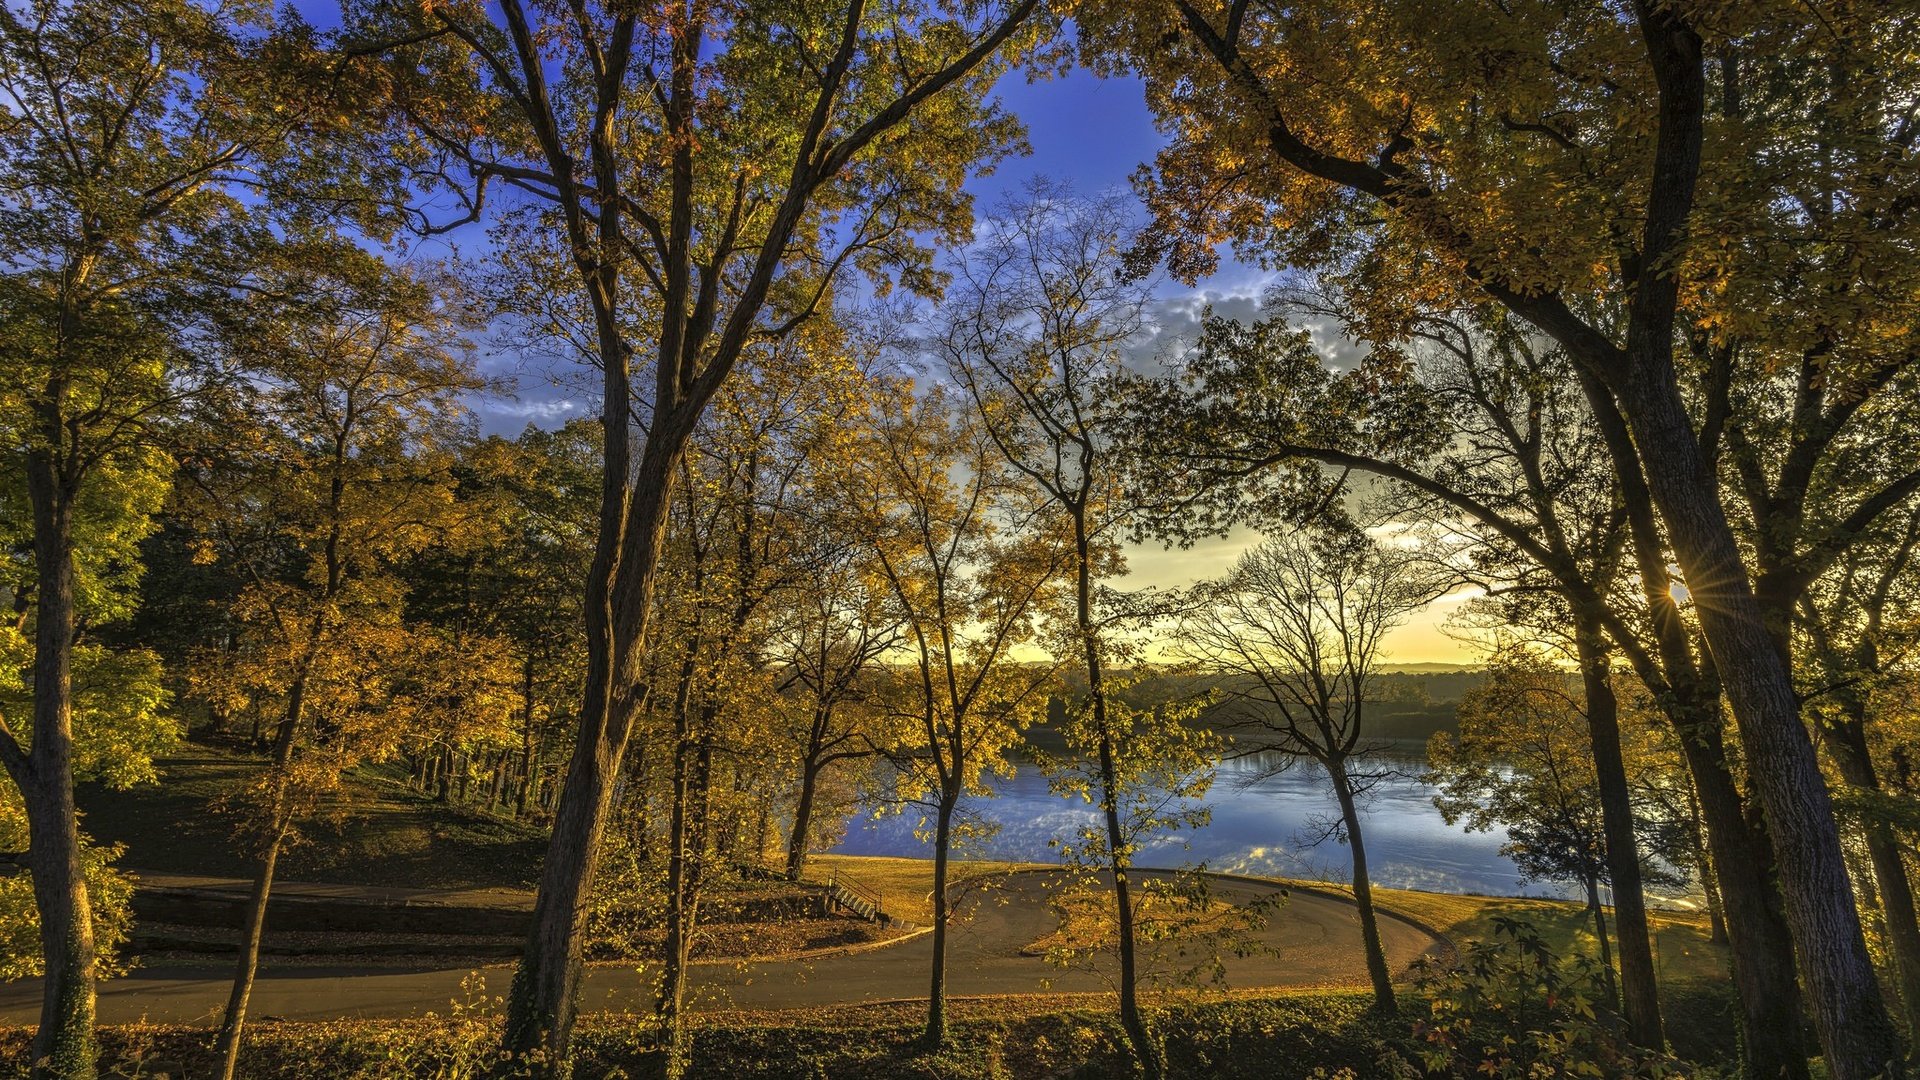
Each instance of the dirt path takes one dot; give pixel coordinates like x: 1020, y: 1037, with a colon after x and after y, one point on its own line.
x: 1314, y: 941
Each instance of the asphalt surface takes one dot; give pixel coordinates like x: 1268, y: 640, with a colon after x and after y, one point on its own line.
x: 1310, y: 940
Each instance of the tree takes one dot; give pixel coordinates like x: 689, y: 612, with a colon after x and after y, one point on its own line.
x: 1295, y: 633
x: 1034, y: 330
x: 514, y: 589
x: 121, y: 722
x: 338, y: 469
x: 1518, y: 429
x: 1522, y: 762
x: 1145, y: 765
x: 831, y: 635
x: 732, y: 553
x: 127, y: 134
x: 969, y: 587
x: 701, y: 204
x: 1853, y: 644
x: 1420, y: 169
x: 1482, y: 440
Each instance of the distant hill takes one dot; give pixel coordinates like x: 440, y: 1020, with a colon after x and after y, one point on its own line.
x: 1411, y: 701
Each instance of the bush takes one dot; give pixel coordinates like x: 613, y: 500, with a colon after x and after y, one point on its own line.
x: 1511, y: 1009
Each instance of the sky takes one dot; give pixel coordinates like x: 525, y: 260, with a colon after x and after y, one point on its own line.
x: 1093, y: 133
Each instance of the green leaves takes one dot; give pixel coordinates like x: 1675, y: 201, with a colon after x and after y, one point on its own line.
x: 1511, y: 1007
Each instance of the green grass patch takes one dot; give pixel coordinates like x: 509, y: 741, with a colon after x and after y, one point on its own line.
x: 906, y: 885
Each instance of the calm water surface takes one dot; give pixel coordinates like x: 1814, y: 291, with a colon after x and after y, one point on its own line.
x: 1262, y: 823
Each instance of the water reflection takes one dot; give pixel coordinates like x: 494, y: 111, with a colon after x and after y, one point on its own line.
x: 1263, y: 823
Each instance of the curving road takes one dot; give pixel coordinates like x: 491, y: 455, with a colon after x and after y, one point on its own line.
x: 1313, y: 940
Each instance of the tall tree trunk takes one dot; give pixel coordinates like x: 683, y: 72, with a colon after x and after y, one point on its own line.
x: 1599, y: 914
x: 1761, y: 951
x: 1377, y: 971
x: 686, y: 856
x: 542, y: 1004
x: 1740, y: 849
x: 936, y: 1033
x: 233, y: 1021
x: 1849, y: 1011
x: 798, y: 840
x: 1709, y: 878
x: 1847, y: 743
x: 529, y: 742
x: 63, y: 1046
x: 1640, y: 995
x: 443, y: 774
x: 529, y: 778
x: 1146, y: 1050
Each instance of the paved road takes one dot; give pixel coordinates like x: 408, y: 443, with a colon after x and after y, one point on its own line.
x: 1315, y: 941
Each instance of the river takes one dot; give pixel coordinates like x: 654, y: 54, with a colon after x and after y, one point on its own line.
x: 1263, y: 822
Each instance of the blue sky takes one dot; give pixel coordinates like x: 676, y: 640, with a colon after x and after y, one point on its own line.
x: 1093, y: 131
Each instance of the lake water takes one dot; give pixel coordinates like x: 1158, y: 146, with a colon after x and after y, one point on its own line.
x: 1262, y: 823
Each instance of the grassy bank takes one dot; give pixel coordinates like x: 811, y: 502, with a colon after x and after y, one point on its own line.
x: 1267, y: 1036
x: 1683, y: 949
x: 905, y: 886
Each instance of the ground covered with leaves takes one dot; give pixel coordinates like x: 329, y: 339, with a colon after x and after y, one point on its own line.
x: 1291, y: 1036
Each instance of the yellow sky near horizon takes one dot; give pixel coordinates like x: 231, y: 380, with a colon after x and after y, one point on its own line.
x: 1422, y: 640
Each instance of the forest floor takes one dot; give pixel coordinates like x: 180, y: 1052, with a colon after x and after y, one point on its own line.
x: 1240, y: 1035
x: 384, y: 835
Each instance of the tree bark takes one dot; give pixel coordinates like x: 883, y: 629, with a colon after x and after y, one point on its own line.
x: 1377, y: 971
x: 233, y: 1021
x: 1640, y: 995
x: 542, y: 1003
x: 1847, y: 744
x: 63, y: 1046
x: 936, y: 1033
x: 1761, y: 951
x: 1849, y: 1011
x: 797, y: 842
x: 1600, y: 935
x: 1709, y: 877
x: 686, y: 856
x: 1739, y: 848
x: 1146, y: 1051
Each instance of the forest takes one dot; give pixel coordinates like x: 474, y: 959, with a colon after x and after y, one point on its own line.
x: 622, y: 444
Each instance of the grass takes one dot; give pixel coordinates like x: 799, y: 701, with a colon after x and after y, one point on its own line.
x: 906, y: 885
x: 391, y: 836
x: 1682, y: 949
